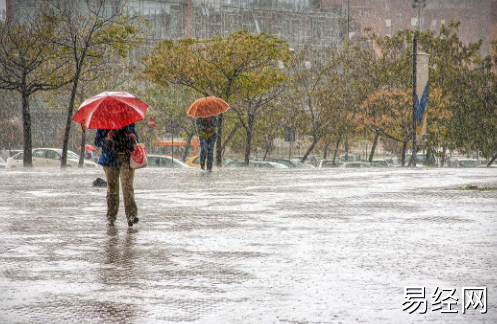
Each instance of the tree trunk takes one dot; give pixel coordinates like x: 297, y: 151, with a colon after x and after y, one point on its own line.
x: 82, y: 153
x: 26, y: 123
x: 315, y: 140
x: 404, y: 148
x: 248, y: 138
x: 336, y: 147
x: 373, y: 149
x: 268, y: 147
x: 429, y: 160
x: 492, y: 160
x: 188, y: 146
x: 219, y: 147
x: 228, y: 139
x: 325, y: 153
x: 67, y: 132
x: 444, y: 151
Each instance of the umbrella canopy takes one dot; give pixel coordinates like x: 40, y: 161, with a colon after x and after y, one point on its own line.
x: 88, y: 148
x: 208, y: 106
x: 110, y: 110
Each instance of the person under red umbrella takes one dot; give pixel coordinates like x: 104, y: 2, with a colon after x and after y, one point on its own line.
x: 117, y: 144
x: 113, y: 114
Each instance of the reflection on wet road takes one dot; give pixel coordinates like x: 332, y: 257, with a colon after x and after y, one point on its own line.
x: 238, y: 246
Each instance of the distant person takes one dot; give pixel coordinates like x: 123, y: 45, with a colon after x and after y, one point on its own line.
x: 90, y: 156
x: 115, y: 158
x: 207, y: 133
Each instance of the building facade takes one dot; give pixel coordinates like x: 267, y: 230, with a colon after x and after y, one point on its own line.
x: 478, y: 18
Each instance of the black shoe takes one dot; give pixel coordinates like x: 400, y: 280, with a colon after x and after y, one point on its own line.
x: 111, y: 223
x: 134, y: 221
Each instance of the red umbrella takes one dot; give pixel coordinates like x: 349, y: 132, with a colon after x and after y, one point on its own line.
x: 88, y: 148
x: 110, y: 110
x: 208, y: 106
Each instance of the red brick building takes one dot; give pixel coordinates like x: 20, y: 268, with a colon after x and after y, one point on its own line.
x: 385, y: 17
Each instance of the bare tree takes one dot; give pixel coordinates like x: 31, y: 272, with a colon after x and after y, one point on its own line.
x: 30, y: 62
x: 90, y: 31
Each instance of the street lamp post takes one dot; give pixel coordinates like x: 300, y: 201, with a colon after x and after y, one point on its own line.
x: 416, y: 4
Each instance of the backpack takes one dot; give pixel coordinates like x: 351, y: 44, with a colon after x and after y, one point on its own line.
x: 121, y: 142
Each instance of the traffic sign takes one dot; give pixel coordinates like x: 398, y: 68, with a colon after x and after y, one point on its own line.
x: 151, y: 122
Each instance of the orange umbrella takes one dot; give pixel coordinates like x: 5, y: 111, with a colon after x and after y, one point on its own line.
x: 208, y: 106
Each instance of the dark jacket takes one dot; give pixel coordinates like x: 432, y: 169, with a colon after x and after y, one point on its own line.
x: 202, y: 124
x: 108, y: 157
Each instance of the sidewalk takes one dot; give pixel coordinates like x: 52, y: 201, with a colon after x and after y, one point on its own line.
x: 245, y: 246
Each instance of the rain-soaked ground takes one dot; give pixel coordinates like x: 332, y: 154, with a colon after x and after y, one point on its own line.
x: 245, y: 246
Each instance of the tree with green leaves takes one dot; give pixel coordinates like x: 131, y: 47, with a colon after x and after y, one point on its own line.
x: 458, y: 71
x: 31, y: 62
x: 220, y: 67
x: 168, y: 105
x: 90, y: 33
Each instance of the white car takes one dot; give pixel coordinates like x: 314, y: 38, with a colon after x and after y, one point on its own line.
x: 48, y: 157
x: 164, y: 161
x: 324, y: 164
x: 355, y: 165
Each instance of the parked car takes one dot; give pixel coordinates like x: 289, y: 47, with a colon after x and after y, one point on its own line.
x: 483, y: 164
x: 351, y: 157
x: 394, y: 162
x: 464, y: 163
x: 380, y: 164
x: 311, y: 159
x: 48, y: 157
x: 2, y: 163
x: 5, y: 154
x: 293, y: 163
x: 329, y: 164
x: 355, y: 165
x: 256, y: 164
x: 421, y: 160
x: 194, y: 162
x: 164, y: 161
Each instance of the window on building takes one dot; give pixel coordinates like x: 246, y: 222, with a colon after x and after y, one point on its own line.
x: 414, y: 22
x: 434, y: 25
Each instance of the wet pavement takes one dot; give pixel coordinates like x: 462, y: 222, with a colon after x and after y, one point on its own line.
x: 245, y: 246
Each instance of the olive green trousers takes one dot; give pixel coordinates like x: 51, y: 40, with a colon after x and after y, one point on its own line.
x: 127, y: 175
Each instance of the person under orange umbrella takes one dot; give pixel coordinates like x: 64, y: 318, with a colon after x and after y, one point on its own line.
x: 206, y: 109
x: 207, y: 134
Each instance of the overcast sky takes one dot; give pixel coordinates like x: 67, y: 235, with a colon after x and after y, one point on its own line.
x: 2, y: 5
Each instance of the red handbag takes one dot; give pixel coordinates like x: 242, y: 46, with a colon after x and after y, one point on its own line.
x: 139, y: 157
